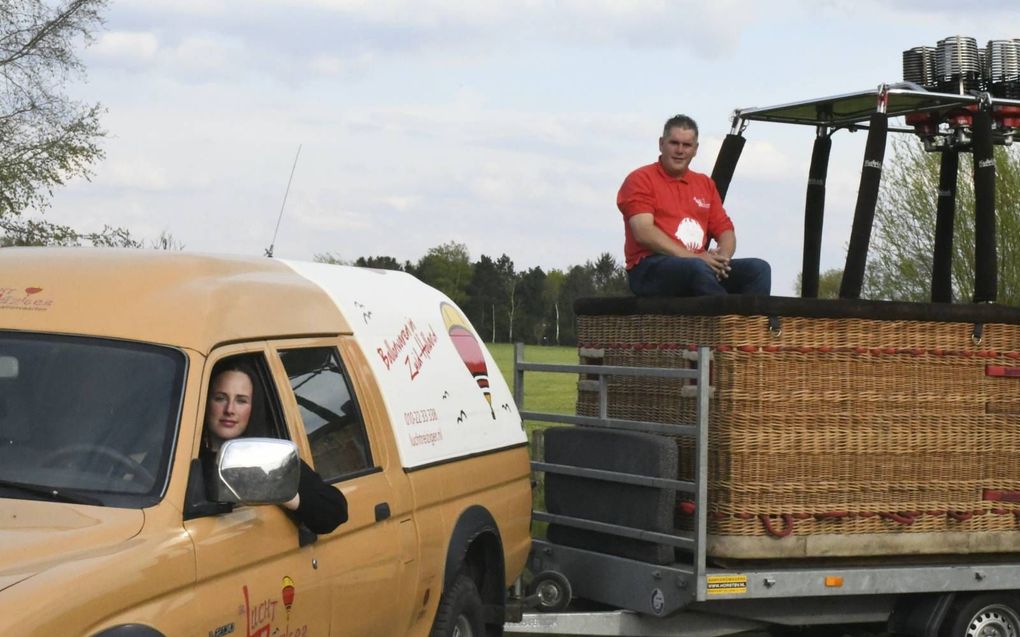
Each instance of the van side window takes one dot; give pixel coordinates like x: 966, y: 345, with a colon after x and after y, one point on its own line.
x: 329, y: 413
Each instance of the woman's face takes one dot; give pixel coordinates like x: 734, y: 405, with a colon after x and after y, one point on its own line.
x: 229, y: 406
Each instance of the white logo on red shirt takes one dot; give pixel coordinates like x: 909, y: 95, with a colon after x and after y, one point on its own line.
x: 702, y: 203
x: 691, y: 234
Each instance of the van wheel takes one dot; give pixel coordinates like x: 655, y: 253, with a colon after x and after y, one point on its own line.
x: 986, y: 615
x: 460, y: 611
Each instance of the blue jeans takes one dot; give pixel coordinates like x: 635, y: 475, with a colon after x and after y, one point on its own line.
x: 661, y: 275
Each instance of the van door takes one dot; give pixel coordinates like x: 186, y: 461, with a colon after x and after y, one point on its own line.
x: 253, y: 577
x: 365, y: 559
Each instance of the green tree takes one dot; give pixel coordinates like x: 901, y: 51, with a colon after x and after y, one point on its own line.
x: 903, y: 241
x: 508, y: 282
x: 28, y: 232
x: 531, y: 320
x: 46, y: 137
x: 485, y: 294
x: 577, y: 283
x: 379, y: 263
x: 554, y: 280
x: 447, y: 267
x: 609, y: 277
x: 332, y: 258
x: 828, y: 283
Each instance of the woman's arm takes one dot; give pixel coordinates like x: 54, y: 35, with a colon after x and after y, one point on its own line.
x: 317, y: 505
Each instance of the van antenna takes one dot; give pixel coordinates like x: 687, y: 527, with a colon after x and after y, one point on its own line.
x: 269, y: 252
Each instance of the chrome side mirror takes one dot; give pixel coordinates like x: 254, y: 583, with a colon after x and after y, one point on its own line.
x: 256, y: 471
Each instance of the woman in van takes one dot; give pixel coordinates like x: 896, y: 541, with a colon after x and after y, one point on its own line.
x: 228, y: 413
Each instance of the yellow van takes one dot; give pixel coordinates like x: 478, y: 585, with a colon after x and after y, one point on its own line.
x: 110, y: 525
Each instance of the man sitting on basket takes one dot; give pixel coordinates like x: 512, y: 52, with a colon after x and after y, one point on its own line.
x: 670, y: 213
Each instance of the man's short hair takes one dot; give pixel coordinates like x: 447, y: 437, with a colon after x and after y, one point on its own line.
x: 680, y: 121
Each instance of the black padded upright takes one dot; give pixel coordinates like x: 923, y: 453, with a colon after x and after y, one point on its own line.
x: 726, y: 163
x: 945, y: 211
x: 640, y: 507
x: 985, y: 268
x: 814, y: 214
x: 864, y: 213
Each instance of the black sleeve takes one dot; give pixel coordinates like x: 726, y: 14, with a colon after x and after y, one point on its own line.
x: 322, y: 507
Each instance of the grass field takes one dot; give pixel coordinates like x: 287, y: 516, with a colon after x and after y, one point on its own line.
x: 543, y: 391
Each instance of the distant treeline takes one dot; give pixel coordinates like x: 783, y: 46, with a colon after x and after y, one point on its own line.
x: 506, y: 305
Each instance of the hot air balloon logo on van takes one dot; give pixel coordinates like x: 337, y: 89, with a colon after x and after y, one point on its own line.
x: 469, y: 349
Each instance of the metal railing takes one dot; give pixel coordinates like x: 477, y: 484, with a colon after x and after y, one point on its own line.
x: 698, y: 431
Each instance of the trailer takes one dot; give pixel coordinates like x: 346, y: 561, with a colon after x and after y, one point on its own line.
x: 692, y: 598
x: 642, y: 576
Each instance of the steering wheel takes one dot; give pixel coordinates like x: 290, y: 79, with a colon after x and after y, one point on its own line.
x: 130, y: 465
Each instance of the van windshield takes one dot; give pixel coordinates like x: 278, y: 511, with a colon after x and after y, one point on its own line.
x: 87, y: 420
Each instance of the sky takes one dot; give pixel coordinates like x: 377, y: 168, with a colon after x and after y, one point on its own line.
x: 507, y: 126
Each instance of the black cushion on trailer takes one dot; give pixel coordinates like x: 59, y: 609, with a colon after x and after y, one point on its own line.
x: 743, y: 305
x: 641, y: 507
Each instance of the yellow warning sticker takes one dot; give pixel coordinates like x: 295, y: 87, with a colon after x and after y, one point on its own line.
x: 727, y: 584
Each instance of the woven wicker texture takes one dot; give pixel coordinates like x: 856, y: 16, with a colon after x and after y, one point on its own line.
x: 832, y: 425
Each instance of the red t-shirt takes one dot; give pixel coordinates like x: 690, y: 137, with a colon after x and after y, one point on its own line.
x: 687, y: 208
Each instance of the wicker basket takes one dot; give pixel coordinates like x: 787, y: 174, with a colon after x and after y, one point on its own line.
x: 861, y: 428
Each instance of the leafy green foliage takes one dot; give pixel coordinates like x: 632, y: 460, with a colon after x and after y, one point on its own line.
x: 28, y: 232
x: 903, y: 243
x: 448, y: 268
x: 828, y: 284
x: 46, y: 138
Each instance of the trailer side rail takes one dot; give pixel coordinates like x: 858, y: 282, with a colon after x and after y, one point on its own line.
x: 694, y: 574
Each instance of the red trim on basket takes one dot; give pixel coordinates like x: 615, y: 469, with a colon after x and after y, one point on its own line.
x: 832, y: 515
x: 766, y: 522
x: 1001, y: 371
x: 748, y: 348
x: 903, y: 518
x: 1000, y: 495
x: 960, y: 516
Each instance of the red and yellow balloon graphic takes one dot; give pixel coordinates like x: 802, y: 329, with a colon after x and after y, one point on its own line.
x: 469, y: 348
x: 288, y: 594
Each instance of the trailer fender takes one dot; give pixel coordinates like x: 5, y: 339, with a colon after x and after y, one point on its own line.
x: 920, y: 615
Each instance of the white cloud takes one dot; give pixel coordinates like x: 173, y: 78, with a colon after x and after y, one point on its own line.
x: 131, y: 49
x: 207, y: 54
x: 134, y: 174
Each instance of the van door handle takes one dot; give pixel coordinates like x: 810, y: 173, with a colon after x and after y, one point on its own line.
x: 382, y: 511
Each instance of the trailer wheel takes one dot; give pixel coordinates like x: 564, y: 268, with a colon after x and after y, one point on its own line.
x: 552, y: 591
x: 460, y: 611
x: 986, y: 615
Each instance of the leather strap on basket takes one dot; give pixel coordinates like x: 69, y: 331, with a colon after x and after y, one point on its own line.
x: 766, y: 522
x: 978, y: 333
x: 775, y: 326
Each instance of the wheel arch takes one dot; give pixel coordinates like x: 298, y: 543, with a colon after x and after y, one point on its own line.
x: 129, y: 630
x: 476, y: 547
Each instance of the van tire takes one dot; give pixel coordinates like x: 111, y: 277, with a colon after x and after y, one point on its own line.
x: 460, y: 611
